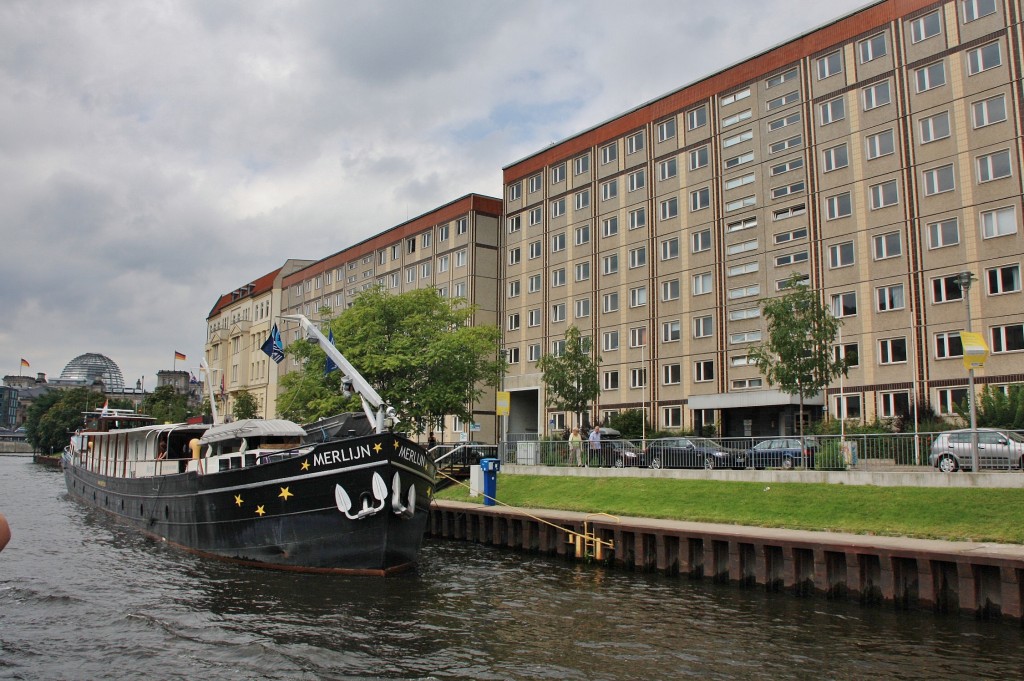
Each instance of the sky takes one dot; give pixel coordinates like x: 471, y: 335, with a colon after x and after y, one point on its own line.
x: 155, y: 155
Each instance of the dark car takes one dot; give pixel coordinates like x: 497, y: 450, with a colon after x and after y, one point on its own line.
x: 783, y: 452
x: 693, y: 452
x: 620, y: 454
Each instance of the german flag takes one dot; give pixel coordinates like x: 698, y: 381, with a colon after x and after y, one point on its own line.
x: 24, y: 363
x: 179, y: 355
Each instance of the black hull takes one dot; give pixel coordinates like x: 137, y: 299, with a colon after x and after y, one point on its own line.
x: 334, y: 509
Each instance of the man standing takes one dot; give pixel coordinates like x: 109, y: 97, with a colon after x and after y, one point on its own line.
x: 595, y: 444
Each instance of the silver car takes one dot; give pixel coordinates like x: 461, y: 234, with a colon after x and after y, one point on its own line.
x: 951, y: 451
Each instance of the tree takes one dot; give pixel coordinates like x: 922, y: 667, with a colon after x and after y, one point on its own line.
x: 245, y: 406
x: 798, y: 356
x: 995, y: 408
x: 166, y: 405
x: 417, y: 349
x: 570, y: 377
x: 55, y: 415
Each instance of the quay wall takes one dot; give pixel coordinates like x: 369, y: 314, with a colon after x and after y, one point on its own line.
x: 983, y: 580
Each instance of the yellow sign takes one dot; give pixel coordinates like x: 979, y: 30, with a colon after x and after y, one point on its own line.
x: 975, y: 350
x: 502, y: 403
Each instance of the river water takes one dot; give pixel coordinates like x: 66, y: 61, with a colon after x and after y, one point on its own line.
x: 82, y: 597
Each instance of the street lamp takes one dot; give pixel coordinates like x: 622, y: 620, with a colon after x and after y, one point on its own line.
x: 965, y: 279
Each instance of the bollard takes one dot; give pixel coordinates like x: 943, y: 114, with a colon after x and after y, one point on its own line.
x: 490, y: 468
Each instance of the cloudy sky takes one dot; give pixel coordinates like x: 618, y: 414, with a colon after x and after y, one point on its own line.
x: 156, y: 154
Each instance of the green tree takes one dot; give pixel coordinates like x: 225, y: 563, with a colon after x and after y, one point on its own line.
x: 798, y: 355
x: 417, y: 349
x: 166, y: 405
x: 630, y: 422
x: 245, y: 406
x: 55, y: 415
x: 570, y: 378
x: 995, y: 408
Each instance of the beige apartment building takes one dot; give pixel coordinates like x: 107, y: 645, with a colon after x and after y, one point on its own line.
x: 879, y: 156
x: 236, y: 327
x: 453, y: 248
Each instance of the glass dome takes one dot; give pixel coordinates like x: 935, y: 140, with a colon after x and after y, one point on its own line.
x: 91, y: 366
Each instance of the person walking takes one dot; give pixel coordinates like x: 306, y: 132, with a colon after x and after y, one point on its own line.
x: 595, y: 444
x: 576, y: 447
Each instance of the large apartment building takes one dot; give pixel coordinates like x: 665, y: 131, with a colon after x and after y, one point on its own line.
x: 879, y: 156
x: 453, y: 248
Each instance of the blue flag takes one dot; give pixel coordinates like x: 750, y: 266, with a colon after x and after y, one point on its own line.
x: 330, y: 365
x: 273, y: 346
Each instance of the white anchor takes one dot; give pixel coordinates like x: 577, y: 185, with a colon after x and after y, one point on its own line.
x: 380, y: 493
x: 400, y: 509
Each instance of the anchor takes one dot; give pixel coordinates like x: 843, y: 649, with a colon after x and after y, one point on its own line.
x: 380, y: 493
x: 400, y: 509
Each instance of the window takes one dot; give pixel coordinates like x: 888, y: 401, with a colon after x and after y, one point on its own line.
x: 636, y: 180
x: 533, y: 317
x: 535, y: 183
x: 670, y: 248
x: 948, y: 344
x: 735, y: 160
x: 744, y: 313
x: 925, y: 27
x: 703, y: 327
x: 740, y: 225
x: 611, y: 302
x: 780, y: 123
x: 931, y: 76
x: 670, y: 290
x: 558, y: 312
x: 989, y: 111
x: 558, y: 242
x: 410, y: 275
x: 881, y: 144
x: 609, y: 153
x: 638, y: 336
x: 877, y: 95
x: 634, y: 142
x: 558, y: 207
x: 885, y: 194
x: 1009, y: 338
x: 745, y: 202
x: 533, y: 283
x: 513, y: 321
x: 994, y: 166
x: 535, y: 216
x: 702, y: 283
x: 703, y: 371
x: 558, y: 277
x: 699, y: 157
x: 945, y: 289
x: 581, y: 164
x: 746, y: 383
x: 745, y: 337
x: 582, y: 199
x: 892, y: 350
x: 669, y: 209
x: 671, y: 374
x: 515, y: 191
x: 791, y: 258
x: 887, y: 245
x: 741, y: 247
x: 513, y: 289
x: 743, y: 268
x: 786, y: 190
x: 833, y: 110
x: 975, y: 9
x: 739, y: 181
x: 838, y: 206
x: 790, y: 143
x: 848, y: 351
x: 582, y: 271
x: 847, y: 406
x: 943, y: 233
x: 844, y: 304
x: 949, y: 398
x: 744, y: 291
x: 841, y: 255
x: 1004, y: 279
x: 696, y: 118
x: 610, y: 264
x: 609, y: 190
x: 535, y: 250
x: 983, y: 58
x: 938, y: 180
x: 736, y: 118
x: 610, y: 226
x: 671, y: 417
x: 583, y: 234
x: 638, y: 378
x: 792, y: 164
x: 871, y: 48
x: 789, y: 212
x: 666, y: 129
x: 558, y: 349
x: 935, y: 127
x: 889, y: 298
x: 512, y: 355
x: 782, y: 101
x: 834, y: 158
x: 637, y: 218
x: 513, y: 258
x: 1000, y: 222
x: 611, y: 340
x: 611, y: 380
x: 781, y: 78
x: 830, y: 64
x: 667, y: 169
x: 734, y: 97
x: 670, y: 331
x: 744, y: 136
x: 558, y: 174
x: 701, y: 241
x: 891, y: 405
x: 533, y: 352
x: 514, y: 223
x: 637, y: 257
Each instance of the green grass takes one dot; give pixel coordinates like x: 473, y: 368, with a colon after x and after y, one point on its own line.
x: 959, y: 514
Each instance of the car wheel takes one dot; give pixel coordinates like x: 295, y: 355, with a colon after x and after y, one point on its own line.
x: 654, y: 463
x: 787, y: 463
x: 619, y: 462
x: 948, y: 464
x: 709, y: 462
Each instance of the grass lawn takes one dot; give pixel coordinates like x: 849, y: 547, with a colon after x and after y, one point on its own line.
x: 960, y: 514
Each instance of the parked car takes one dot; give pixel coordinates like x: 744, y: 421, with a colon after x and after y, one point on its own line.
x: 783, y: 452
x: 620, y: 454
x: 951, y: 451
x: 692, y: 452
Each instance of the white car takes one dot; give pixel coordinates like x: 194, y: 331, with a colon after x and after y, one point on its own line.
x: 951, y: 451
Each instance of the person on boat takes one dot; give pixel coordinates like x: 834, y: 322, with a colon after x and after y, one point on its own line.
x: 5, y: 532
x: 162, y: 450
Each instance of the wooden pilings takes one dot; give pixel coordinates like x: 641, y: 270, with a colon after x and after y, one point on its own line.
x: 979, y: 580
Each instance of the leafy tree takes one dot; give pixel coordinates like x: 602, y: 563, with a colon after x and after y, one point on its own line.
x: 798, y: 355
x: 995, y: 408
x: 571, y: 377
x: 630, y: 422
x: 55, y: 415
x: 246, y: 406
x: 416, y: 349
x: 166, y: 405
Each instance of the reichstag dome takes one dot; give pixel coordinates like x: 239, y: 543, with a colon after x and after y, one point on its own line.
x: 86, y: 369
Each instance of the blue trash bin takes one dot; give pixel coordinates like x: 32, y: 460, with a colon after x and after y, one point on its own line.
x: 490, y: 468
